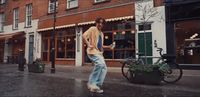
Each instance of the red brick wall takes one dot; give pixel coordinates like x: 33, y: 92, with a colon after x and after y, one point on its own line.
x: 21, y: 4
x: 90, y: 16
x: 87, y: 5
x: 158, y: 3
x: 40, y: 11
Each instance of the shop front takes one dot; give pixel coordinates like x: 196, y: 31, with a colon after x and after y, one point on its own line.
x: 64, y: 46
x: 11, y: 45
x: 185, y: 16
x: 123, y: 33
x: 66, y: 43
x: 188, y: 42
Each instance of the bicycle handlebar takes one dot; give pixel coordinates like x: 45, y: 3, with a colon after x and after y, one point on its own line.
x: 159, y: 50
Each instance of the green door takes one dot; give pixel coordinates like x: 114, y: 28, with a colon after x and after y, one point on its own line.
x: 141, y: 45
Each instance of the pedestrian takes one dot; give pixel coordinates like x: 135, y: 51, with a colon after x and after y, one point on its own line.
x: 94, y: 39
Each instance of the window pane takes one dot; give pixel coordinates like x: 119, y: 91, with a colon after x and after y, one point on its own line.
x: 107, y: 54
x: 51, y: 6
x: 15, y: 18
x: 45, y: 45
x: 44, y: 56
x: 70, y: 46
x: 72, y: 3
x: 108, y: 38
x: 70, y: 54
x: 1, y: 21
x: 61, y: 47
x: 146, y: 27
x: 99, y: 0
x: 45, y: 49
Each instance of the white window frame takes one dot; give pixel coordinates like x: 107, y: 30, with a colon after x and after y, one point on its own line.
x: 2, y: 20
x: 51, y: 6
x: 71, y: 2
x: 28, y: 21
x: 97, y: 1
x: 2, y: 1
x: 15, y: 18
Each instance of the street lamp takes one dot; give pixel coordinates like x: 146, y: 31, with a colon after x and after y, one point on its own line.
x: 53, y: 40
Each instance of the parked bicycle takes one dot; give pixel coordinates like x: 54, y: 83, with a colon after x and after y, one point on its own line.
x: 172, y: 75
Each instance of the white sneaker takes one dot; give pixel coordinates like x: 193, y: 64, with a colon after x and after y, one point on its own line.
x: 92, y: 86
x: 96, y: 90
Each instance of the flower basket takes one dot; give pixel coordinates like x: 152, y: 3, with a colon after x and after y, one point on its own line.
x: 37, y: 66
x: 146, y: 74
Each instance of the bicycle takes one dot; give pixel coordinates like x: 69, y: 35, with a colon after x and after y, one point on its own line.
x: 125, y: 69
x: 171, y: 75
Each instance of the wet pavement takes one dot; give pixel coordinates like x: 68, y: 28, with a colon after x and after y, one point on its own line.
x: 71, y: 82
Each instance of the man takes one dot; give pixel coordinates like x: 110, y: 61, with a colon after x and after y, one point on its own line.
x: 94, y: 39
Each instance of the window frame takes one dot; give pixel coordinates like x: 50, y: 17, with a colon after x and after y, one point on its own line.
x: 15, y: 18
x: 2, y: 20
x: 68, y: 6
x: 51, y: 3
x: 29, y: 12
x: 101, y: 1
x: 2, y: 1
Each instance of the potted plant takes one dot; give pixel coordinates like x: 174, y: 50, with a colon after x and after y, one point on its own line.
x: 37, y: 66
x: 147, y: 74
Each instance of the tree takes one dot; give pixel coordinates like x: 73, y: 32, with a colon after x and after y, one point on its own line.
x: 146, y: 13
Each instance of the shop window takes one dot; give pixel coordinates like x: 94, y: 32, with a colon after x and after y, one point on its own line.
x: 108, y: 38
x: 70, y: 46
x: 45, y: 49
x: 66, y: 44
x: 125, y: 44
x: 60, y: 47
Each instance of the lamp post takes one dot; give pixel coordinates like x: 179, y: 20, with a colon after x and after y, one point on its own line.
x: 53, y: 40
x: 169, y: 28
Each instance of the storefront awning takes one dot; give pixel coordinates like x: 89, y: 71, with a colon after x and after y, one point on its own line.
x: 10, y: 35
x: 108, y: 20
x: 86, y: 23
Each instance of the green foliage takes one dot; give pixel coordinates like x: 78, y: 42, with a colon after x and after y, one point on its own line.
x: 39, y: 65
x: 162, y: 67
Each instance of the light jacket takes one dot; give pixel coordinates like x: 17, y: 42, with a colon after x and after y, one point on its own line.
x: 92, y: 34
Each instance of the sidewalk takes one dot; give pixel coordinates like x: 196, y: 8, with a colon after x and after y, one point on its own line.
x: 83, y: 72
x: 190, y: 79
x: 70, y: 81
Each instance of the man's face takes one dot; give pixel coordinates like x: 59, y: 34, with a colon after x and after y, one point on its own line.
x: 100, y: 24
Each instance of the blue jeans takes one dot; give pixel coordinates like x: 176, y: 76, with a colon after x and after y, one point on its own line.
x: 99, y: 71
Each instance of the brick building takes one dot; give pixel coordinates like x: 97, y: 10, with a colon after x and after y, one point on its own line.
x: 18, y: 28
x: 76, y: 16
x: 27, y: 25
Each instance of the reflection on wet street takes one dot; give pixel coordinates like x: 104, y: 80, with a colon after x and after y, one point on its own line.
x: 16, y: 83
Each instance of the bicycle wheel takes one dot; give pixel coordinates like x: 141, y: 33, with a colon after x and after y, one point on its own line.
x: 126, y: 71
x: 174, y: 73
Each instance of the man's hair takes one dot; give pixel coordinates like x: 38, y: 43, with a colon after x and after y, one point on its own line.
x: 98, y: 19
